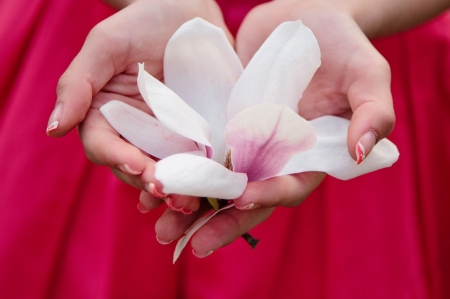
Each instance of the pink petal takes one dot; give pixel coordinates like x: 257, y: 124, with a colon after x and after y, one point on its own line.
x: 265, y: 137
x: 201, y: 67
x: 172, y: 111
x: 280, y: 70
x: 145, y: 131
x: 330, y: 154
x: 193, y: 175
x: 182, y: 242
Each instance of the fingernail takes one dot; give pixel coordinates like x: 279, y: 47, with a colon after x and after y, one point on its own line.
x: 186, y: 211
x: 250, y: 206
x: 53, y: 126
x: 202, y: 256
x: 169, y: 202
x: 54, y: 119
x: 125, y: 168
x: 365, y: 145
x: 163, y: 242
x: 141, y: 208
x: 152, y: 189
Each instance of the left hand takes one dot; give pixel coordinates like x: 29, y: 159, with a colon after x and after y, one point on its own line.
x: 353, y: 81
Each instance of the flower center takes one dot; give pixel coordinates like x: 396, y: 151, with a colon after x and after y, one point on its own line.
x: 228, y: 163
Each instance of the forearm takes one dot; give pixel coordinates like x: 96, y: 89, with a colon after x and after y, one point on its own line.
x: 119, y: 4
x: 383, y: 17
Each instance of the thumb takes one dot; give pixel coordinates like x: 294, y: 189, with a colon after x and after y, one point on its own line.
x: 373, y: 113
x: 91, y: 69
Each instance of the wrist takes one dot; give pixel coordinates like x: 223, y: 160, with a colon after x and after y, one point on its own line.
x: 378, y: 18
x: 119, y: 4
x: 355, y: 9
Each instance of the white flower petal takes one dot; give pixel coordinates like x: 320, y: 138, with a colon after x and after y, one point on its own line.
x: 198, y: 176
x: 265, y: 137
x: 145, y: 131
x: 201, y: 67
x: 182, y: 242
x: 330, y: 153
x: 172, y: 111
x: 280, y: 71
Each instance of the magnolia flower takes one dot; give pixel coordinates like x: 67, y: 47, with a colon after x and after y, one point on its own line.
x: 218, y: 126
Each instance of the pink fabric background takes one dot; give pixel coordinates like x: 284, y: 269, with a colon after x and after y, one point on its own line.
x: 70, y: 229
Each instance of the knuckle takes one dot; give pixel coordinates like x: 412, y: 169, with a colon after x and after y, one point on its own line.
x: 381, y: 65
x: 388, y: 121
x: 100, y: 31
x: 63, y: 82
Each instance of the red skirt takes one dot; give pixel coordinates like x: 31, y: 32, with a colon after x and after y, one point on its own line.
x: 70, y: 229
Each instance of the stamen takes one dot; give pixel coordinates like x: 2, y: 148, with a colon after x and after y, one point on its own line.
x: 228, y: 163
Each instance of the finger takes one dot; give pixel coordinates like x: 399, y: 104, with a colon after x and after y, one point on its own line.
x: 148, y: 202
x: 104, y: 146
x: 142, y: 181
x: 98, y: 60
x: 224, y: 228
x: 371, y: 101
x: 288, y: 191
x: 184, y: 204
x: 172, y: 224
x: 178, y: 203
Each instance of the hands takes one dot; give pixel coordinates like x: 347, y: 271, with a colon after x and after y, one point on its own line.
x: 353, y: 81
x: 353, y: 78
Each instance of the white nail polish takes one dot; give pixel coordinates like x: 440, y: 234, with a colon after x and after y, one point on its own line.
x: 53, y: 126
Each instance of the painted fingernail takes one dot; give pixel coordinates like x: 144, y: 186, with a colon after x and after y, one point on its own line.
x: 169, y: 202
x: 365, y: 145
x: 152, y: 189
x: 125, y: 168
x: 163, y: 242
x: 202, y: 256
x: 141, y: 208
x: 360, y: 153
x: 53, y: 126
x: 250, y: 206
x: 55, y: 118
x: 186, y: 211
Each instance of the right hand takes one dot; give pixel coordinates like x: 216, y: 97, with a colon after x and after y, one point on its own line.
x: 106, y: 69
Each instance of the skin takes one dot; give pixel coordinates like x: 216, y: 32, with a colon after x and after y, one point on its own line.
x: 378, y: 18
x: 353, y: 82
x: 106, y: 68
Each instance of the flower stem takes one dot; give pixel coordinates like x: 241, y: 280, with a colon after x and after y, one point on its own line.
x: 217, y: 204
x: 250, y: 240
